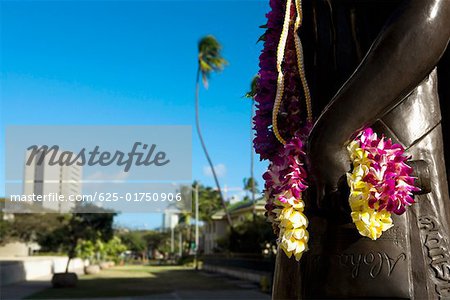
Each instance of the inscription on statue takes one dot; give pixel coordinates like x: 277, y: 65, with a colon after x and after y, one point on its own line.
x: 376, y: 261
x: 438, y: 252
x: 395, y: 235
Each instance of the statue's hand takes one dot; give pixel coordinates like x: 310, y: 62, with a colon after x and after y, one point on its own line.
x: 329, y: 164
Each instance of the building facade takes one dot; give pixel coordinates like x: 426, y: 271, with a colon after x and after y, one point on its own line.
x: 43, y: 178
x: 217, y: 228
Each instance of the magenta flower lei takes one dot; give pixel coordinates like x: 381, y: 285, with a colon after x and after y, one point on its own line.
x: 292, y: 110
x: 279, y: 87
x: 285, y: 184
x: 380, y: 183
x: 285, y: 176
x: 388, y: 173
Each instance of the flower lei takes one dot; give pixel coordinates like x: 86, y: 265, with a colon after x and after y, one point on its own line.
x: 285, y: 183
x: 380, y: 183
x: 281, y: 81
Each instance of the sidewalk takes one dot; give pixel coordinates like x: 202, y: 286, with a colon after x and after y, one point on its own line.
x: 196, y: 295
x: 23, y: 289
x: 230, y: 289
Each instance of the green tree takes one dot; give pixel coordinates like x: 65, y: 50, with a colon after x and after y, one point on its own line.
x: 86, y: 226
x: 249, y: 236
x: 156, y: 239
x: 28, y: 227
x: 251, y: 186
x: 208, y: 201
x: 134, y: 241
x: 113, y: 248
x: 51, y: 240
x: 85, y: 250
x: 81, y: 226
x: 141, y: 241
x: 5, y: 230
x: 209, y: 60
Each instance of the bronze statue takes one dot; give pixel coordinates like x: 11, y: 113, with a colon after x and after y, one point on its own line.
x: 378, y: 58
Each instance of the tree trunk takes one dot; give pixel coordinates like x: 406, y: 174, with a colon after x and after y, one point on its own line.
x: 197, y: 123
x: 68, y: 263
x: 252, y: 160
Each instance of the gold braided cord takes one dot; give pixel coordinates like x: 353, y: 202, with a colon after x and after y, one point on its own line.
x: 300, y: 62
x: 280, y: 80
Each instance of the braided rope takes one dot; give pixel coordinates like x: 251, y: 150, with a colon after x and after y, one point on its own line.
x: 300, y: 61
x: 300, y: 65
x: 280, y: 80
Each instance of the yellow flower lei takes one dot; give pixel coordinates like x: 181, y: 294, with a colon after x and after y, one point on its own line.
x: 293, y: 236
x: 369, y: 222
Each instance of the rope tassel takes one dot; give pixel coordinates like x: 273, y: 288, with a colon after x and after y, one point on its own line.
x: 300, y: 65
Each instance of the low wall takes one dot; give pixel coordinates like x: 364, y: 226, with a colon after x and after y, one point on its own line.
x: 18, y: 248
x: 253, y: 262
x: 246, y: 274
x: 14, y: 270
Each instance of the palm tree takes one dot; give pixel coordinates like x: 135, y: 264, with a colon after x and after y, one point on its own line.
x: 251, y: 95
x: 251, y: 184
x: 209, y: 60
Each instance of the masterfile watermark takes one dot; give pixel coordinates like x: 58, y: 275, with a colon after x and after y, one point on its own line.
x: 121, y: 168
x: 147, y: 157
x: 103, y: 153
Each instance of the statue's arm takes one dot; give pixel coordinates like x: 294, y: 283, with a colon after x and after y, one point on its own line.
x: 406, y: 50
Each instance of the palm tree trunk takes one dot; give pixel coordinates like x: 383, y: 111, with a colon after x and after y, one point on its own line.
x: 252, y: 160
x: 202, y: 142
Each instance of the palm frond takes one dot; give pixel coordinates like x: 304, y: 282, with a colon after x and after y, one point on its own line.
x: 209, y: 57
x: 253, y: 88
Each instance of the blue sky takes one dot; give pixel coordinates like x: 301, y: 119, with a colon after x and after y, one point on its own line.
x: 133, y: 63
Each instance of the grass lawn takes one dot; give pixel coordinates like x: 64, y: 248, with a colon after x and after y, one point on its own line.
x: 135, y: 281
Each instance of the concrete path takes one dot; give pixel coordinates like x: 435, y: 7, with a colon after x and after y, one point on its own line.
x: 23, y: 289
x: 197, y: 295
x: 243, y: 290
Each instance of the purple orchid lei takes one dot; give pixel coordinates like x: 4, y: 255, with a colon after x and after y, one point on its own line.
x: 293, y: 117
x: 286, y: 175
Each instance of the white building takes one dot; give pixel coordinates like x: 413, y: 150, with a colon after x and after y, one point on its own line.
x: 170, y: 219
x: 45, y: 179
x: 217, y: 228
